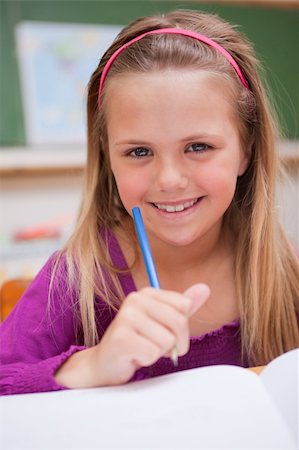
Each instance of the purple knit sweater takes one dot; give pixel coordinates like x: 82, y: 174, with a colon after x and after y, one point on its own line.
x: 36, y: 338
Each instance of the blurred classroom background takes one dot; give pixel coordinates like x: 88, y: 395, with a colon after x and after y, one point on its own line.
x: 48, y: 50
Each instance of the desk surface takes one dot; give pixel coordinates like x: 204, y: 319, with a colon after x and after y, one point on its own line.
x: 257, y: 369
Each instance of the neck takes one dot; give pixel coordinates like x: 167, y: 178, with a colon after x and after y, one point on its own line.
x: 179, y: 267
x: 171, y: 258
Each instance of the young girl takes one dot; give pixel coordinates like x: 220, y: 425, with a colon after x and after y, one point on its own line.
x: 179, y: 125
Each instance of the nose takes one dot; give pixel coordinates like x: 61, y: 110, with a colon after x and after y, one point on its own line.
x: 171, y: 176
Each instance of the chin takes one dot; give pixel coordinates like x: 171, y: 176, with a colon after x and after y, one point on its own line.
x: 179, y: 240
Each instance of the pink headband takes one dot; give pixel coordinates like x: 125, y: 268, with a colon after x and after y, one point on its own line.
x: 189, y: 33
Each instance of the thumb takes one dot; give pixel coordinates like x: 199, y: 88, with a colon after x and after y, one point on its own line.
x: 198, y: 293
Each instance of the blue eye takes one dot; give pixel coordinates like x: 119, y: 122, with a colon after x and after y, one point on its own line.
x: 140, y: 152
x: 198, y: 148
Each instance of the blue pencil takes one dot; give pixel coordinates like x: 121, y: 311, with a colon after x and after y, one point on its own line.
x: 145, y: 248
x: 148, y: 260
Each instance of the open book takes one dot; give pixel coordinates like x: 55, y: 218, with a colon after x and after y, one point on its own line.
x: 216, y: 407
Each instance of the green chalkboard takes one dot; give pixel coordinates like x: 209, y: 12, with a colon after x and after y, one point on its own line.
x: 275, y: 33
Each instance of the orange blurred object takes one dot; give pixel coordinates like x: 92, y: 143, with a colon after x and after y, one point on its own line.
x: 37, y: 233
x: 10, y: 292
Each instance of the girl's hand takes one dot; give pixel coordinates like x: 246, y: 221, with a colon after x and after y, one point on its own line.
x: 149, y: 324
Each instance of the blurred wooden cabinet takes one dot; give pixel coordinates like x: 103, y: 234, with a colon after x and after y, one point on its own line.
x: 10, y: 292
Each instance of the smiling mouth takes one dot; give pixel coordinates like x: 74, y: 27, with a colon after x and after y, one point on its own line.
x: 176, y: 208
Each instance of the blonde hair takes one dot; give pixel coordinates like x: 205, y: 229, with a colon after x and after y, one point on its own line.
x: 266, y: 269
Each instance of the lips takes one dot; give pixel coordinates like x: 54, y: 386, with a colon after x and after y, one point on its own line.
x: 178, y: 207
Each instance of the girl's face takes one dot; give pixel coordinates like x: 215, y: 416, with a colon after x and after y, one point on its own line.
x: 175, y: 151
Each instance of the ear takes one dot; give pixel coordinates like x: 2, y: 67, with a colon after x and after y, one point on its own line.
x: 245, y: 159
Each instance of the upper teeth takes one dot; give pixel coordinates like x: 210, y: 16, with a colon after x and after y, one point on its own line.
x: 176, y: 208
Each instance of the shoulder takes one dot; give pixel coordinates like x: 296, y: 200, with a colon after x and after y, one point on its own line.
x: 53, y: 273
x: 50, y: 289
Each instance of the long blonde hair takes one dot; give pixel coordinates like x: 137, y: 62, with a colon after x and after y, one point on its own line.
x: 266, y: 269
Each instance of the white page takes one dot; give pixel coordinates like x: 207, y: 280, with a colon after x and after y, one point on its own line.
x: 223, y: 407
x: 281, y: 379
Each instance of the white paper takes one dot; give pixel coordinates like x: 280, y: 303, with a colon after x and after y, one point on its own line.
x: 281, y: 379
x: 216, y: 407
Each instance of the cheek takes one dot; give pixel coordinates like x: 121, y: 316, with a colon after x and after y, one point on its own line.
x: 131, y: 187
x: 220, y: 181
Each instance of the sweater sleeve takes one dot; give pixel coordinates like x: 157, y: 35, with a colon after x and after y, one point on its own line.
x: 38, y: 335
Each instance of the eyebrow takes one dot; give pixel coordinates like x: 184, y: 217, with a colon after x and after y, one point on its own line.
x: 195, y: 137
